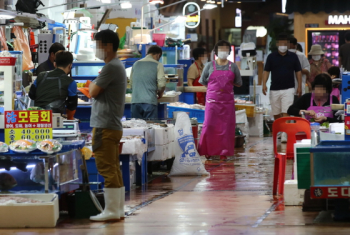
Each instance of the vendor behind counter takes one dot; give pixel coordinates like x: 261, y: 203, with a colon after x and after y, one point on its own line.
x: 195, y: 71
x: 54, y: 90
x: 148, y: 82
x: 317, y: 105
x: 48, y: 65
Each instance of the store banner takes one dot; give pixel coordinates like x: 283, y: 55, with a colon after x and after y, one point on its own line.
x: 34, y: 125
x: 330, y: 192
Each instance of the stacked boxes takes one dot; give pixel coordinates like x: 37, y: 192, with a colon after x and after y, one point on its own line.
x: 164, y: 144
x: 171, y: 134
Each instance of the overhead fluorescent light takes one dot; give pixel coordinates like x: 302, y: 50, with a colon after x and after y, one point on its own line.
x: 209, y: 6
x: 284, y: 3
x: 156, y: 1
x: 125, y: 5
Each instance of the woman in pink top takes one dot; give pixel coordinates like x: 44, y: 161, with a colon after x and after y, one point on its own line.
x: 318, y: 64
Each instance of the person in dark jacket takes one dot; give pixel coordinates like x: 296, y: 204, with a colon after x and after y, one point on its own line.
x: 55, y: 90
x: 48, y: 65
x: 316, y: 105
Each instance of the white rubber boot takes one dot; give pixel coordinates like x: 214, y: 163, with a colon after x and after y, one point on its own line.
x: 121, y: 204
x: 112, y: 203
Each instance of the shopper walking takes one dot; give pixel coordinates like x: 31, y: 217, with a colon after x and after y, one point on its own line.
x: 318, y: 64
x: 48, y: 65
x: 148, y: 83
x: 305, y: 66
x: 195, y: 71
x: 220, y: 77
x: 344, y: 53
x: 108, y: 91
x: 54, y: 90
x: 283, y: 66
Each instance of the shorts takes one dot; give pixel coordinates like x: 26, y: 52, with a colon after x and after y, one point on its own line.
x: 281, y: 100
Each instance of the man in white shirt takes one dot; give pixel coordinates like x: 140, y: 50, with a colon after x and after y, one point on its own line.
x: 305, y: 65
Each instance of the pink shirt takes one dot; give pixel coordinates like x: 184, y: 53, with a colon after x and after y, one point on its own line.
x: 322, y: 67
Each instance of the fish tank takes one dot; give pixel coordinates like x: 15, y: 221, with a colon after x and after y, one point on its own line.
x: 88, y: 69
x: 25, y: 174
x: 330, y: 164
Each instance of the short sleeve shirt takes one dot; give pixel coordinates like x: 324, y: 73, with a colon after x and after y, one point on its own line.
x: 108, y: 107
x: 209, y: 69
x: 283, y: 69
x: 194, y: 72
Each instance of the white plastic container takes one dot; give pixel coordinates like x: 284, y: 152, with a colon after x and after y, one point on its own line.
x: 160, y: 153
x: 171, y: 133
x: 171, y: 150
x: 34, y: 215
x: 292, y: 195
x: 161, y: 136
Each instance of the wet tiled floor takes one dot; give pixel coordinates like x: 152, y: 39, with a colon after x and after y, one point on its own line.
x: 235, y: 199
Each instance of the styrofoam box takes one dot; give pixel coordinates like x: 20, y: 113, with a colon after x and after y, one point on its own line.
x: 171, y: 134
x: 38, y: 215
x: 160, y: 153
x: 292, y: 195
x: 161, y: 136
x: 171, y: 150
x: 173, y: 147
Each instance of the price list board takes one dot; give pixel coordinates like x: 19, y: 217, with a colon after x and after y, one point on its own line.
x: 33, y: 125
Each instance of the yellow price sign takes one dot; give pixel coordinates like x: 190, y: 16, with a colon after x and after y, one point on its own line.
x: 28, y: 124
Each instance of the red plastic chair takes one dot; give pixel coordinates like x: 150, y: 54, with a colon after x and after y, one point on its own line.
x: 291, y: 129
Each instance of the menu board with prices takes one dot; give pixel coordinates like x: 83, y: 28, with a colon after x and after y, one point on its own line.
x: 33, y: 125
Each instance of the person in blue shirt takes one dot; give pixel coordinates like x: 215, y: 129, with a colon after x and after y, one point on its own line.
x: 55, y: 90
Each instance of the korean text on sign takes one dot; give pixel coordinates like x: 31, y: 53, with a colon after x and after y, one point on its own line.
x: 33, y: 124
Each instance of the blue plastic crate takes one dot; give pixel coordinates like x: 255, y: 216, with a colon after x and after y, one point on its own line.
x: 193, y: 113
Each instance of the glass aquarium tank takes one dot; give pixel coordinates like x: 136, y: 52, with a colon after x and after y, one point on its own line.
x: 90, y: 69
x: 330, y: 164
x: 25, y: 174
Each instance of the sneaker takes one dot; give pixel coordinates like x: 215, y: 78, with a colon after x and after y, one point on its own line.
x: 284, y: 138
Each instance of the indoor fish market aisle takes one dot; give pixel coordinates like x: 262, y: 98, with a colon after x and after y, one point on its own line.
x: 235, y: 199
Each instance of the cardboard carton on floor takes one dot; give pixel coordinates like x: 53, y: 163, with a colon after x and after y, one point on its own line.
x: 30, y: 215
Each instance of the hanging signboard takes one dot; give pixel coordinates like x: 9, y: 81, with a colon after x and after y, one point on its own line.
x: 192, y: 10
x: 33, y: 125
x: 338, y: 20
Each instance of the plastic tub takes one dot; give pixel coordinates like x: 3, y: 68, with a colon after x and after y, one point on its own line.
x: 159, y: 38
x: 193, y: 113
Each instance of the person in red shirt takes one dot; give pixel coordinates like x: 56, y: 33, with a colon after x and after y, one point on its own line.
x: 195, y: 71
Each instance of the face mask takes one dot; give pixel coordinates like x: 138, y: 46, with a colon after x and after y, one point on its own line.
x: 316, y: 57
x: 223, y: 55
x: 100, y: 54
x: 204, y: 61
x: 282, y: 48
